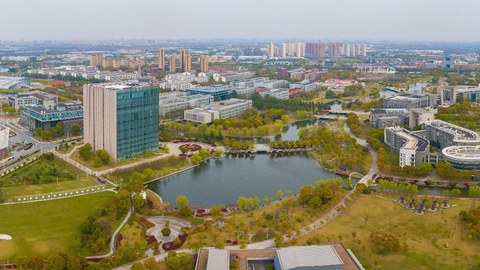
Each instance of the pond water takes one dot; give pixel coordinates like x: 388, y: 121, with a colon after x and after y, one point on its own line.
x: 221, y: 182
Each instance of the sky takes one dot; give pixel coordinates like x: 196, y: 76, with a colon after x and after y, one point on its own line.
x: 407, y: 20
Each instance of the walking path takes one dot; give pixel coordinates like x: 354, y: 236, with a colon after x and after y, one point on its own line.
x: 114, y: 238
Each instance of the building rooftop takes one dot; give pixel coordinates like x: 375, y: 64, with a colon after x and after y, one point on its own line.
x: 308, y: 256
x: 467, y: 153
x: 405, y: 97
x: 460, y: 134
x: 8, y: 82
x: 218, y: 259
x: 413, y: 141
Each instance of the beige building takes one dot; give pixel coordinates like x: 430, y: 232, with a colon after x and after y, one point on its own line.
x: 161, y: 59
x: 204, y: 61
x: 96, y: 59
x: 172, y: 62
x: 201, y: 115
x: 186, y: 58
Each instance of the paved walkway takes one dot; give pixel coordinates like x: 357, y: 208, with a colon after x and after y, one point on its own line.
x: 114, y: 238
x: 158, y: 258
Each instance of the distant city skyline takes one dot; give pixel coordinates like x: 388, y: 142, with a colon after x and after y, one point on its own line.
x: 406, y: 20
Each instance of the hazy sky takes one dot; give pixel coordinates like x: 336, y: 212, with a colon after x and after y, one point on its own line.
x: 445, y: 20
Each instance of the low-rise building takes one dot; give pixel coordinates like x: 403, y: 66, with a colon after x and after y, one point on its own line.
x: 176, y: 102
x: 442, y: 134
x: 201, y: 115
x: 463, y: 157
x: 384, y: 117
x: 409, y: 101
x: 14, y: 82
x: 280, y: 93
x: 418, y: 116
x: 37, y: 116
x: 33, y: 98
x: 217, y: 91
x: 413, y: 148
x: 4, y: 137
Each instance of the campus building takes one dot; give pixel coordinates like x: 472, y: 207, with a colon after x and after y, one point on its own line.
x: 316, y: 257
x: 442, y: 134
x: 173, y: 104
x: 460, y: 93
x: 121, y: 118
x: 37, y: 116
x: 224, y: 109
x: 281, y: 93
x: 33, y: 98
x: 463, y: 157
x: 383, y: 117
x: 14, y: 82
x: 217, y: 91
x: 413, y: 148
x: 409, y: 101
x: 4, y: 137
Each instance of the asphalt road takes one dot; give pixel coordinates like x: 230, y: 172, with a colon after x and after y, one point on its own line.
x: 22, y: 136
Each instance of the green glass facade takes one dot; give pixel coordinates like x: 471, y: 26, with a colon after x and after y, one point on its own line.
x: 137, y: 121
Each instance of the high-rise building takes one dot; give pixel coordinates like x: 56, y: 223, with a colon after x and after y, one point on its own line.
x: 186, y: 60
x: 271, y: 50
x: 121, y: 118
x: 172, y: 62
x: 96, y: 59
x: 333, y: 49
x: 204, y: 59
x: 161, y: 59
x: 293, y: 50
x: 315, y: 49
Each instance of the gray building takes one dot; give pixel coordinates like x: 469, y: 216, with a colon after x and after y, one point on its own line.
x: 442, y: 134
x: 308, y: 257
x: 383, y: 117
x: 412, y: 148
x: 409, y: 101
x: 173, y: 104
x: 34, y: 98
x: 14, y: 82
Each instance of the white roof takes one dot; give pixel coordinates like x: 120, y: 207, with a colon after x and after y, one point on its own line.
x: 218, y: 259
x: 308, y: 256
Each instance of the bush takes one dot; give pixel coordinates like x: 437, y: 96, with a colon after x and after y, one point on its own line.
x: 385, y: 242
x: 166, y: 231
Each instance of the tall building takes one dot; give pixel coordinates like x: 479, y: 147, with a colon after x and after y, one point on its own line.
x: 121, y: 118
x: 293, y: 49
x: 96, y: 59
x: 333, y: 49
x: 315, y: 49
x: 172, y: 62
x: 186, y: 60
x: 204, y: 59
x: 271, y: 50
x: 161, y: 59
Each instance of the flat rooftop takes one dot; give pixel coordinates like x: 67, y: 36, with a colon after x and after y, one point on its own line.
x: 467, y: 153
x: 459, y: 133
x: 250, y: 255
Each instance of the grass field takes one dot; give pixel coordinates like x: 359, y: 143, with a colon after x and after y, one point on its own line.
x: 43, y: 176
x: 434, y: 240
x: 13, y: 191
x: 76, y: 156
x: 47, y: 227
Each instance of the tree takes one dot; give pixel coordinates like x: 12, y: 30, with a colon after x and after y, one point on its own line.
x: 37, y: 132
x: 215, y: 211
x: 173, y: 261
x: 103, y: 155
x: 76, y: 129
x: 54, y: 262
x: 122, y: 200
x: 279, y: 194
x: 181, y: 201
x: 85, y: 151
x: 166, y: 231
x: 196, y: 158
x: 46, y: 134
x: 97, y: 162
x: 150, y: 263
x: 59, y: 129
x: 138, y: 201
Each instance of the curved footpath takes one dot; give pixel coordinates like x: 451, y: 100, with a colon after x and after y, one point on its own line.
x: 114, y: 238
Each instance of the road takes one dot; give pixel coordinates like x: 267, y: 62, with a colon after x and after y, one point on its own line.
x: 23, y: 135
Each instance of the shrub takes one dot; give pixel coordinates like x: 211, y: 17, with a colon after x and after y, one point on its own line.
x: 166, y: 231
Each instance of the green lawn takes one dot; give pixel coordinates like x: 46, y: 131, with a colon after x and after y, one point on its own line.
x: 20, y: 190
x: 90, y: 164
x: 43, y: 176
x: 434, y: 240
x: 47, y: 227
